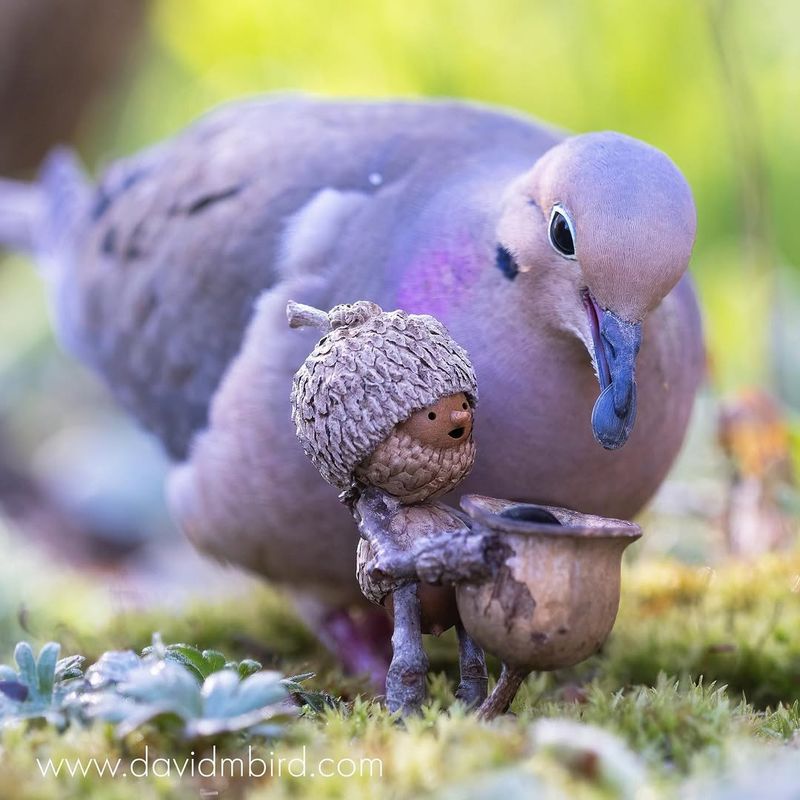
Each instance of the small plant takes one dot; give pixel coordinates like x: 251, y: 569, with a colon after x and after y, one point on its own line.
x: 163, y: 692
x: 39, y: 688
x: 176, y: 687
x: 202, y: 663
x: 206, y: 662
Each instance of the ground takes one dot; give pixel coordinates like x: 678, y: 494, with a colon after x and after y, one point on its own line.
x: 698, y: 689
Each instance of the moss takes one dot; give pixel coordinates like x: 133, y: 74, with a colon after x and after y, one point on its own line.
x: 703, y: 667
x: 736, y: 625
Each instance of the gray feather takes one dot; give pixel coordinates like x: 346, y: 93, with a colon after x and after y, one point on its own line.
x: 20, y: 214
x: 405, y: 204
x: 65, y: 192
x: 178, y: 241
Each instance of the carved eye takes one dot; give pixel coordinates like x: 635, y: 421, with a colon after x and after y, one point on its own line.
x: 432, y: 415
x: 561, y: 232
x: 465, y: 406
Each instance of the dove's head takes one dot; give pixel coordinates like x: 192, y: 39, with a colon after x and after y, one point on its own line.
x: 604, y: 224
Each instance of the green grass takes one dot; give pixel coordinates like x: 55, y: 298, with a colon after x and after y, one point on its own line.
x: 700, y: 676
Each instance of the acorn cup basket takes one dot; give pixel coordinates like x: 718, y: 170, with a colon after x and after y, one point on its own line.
x: 553, y: 600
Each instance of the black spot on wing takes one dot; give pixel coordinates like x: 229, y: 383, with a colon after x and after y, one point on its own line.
x: 109, y: 243
x: 107, y: 192
x: 504, y: 261
x: 102, y: 202
x: 133, y: 248
x: 207, y: 200
x: 129, y: 248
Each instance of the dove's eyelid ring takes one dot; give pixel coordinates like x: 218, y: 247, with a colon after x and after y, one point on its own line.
x: 559, y: 209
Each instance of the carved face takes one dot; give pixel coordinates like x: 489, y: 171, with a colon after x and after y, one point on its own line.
x: 445, y: 424
x: 425, y: 456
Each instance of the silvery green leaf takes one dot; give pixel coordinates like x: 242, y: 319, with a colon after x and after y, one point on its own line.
x: 108, y: 706
x: 219, y: 692
x: 303, y: 676
x: 165, y: 683
x: 70, y: 696
x: 315, y: 700
x: 69, y: 667
x: 157, y: 648
x: 26, y: 662
x: 188, y: 656
x: 247, y: 667
x: 215, y: 661
x: 57, y: 718
x: 8, y: 708
x: 112, y: 667
x: 129, y: 691
x: 259, y: 690
x: 211, y: 726
x: 46, y: 669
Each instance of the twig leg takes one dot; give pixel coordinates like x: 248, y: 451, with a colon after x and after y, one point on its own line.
x: 503, y: 693
x: 474, y: 678
x: 405, y: 683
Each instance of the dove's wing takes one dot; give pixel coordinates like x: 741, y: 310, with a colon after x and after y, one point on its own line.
x: 179, y: 240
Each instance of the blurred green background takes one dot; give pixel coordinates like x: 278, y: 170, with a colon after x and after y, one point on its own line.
x: 715, y: 84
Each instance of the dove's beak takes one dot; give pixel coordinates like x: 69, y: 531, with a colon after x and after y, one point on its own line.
x: 616, y: 345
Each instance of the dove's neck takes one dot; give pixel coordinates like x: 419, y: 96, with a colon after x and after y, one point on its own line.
x: 446, y: 253
x: 446, y: 264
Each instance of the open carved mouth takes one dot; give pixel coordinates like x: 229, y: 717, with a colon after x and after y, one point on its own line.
x: 456, y: 433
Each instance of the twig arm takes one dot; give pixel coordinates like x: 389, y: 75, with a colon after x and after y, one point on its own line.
x: 447, y: 557
x: 460, y: 556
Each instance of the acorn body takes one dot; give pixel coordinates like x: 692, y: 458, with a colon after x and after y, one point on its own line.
x: 386, y: 400
x: 408, y: 525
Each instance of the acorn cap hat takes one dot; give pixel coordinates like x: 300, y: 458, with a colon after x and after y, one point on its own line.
x: 371, y: 370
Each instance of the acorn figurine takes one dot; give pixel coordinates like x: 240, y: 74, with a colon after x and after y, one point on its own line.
x: 383, y: 407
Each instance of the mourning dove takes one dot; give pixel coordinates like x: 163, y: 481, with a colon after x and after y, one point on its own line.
x: 559, y: 263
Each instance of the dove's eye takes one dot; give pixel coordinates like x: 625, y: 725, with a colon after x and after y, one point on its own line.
x: 561, y: 232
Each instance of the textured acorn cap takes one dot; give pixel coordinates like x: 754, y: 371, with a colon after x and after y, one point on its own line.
x: 370, y: 371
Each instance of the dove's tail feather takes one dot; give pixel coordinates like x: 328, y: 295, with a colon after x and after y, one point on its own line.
x: 44, y: 219
x: 41, y: 218
x: 66, y: 193
x: 20, y: 214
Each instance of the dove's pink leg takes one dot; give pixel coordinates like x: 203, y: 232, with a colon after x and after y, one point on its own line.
x: 361, y: 643
x: 359, y: 639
